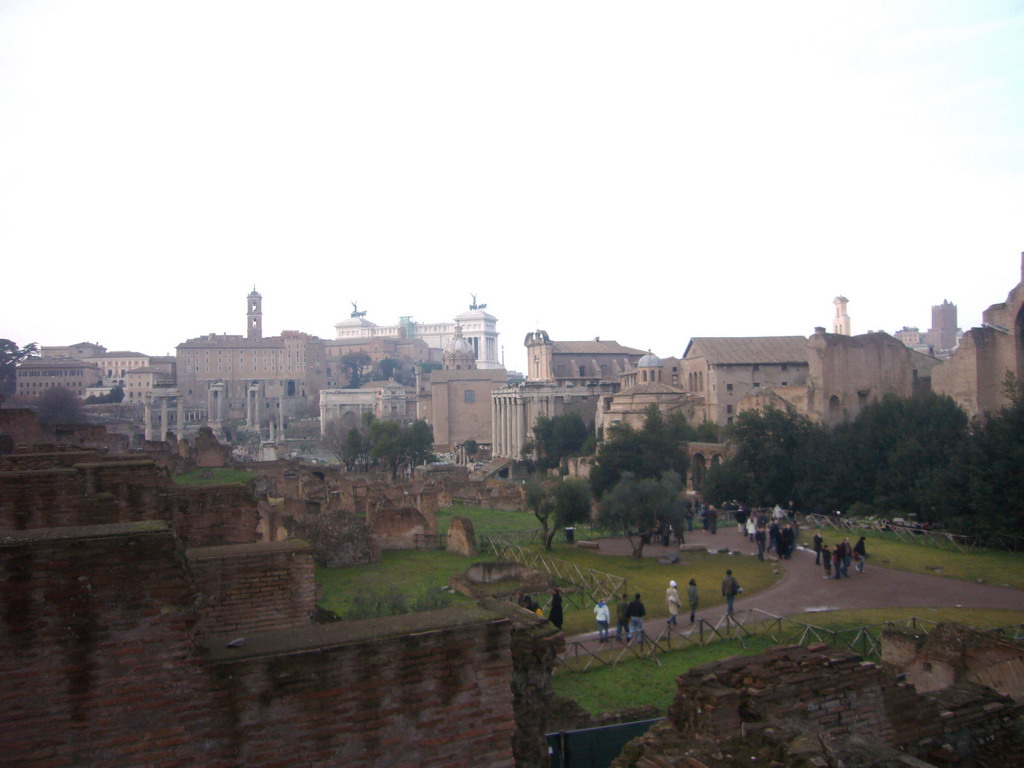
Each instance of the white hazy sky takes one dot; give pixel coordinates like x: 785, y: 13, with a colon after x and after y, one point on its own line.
x: 644, y: 172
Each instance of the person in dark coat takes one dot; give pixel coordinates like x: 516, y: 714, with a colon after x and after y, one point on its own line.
x: 818, y: 541
x: 555, y: 615
x: 860, y: 554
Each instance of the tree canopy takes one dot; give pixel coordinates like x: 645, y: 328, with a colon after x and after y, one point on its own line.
x: 10, y: 356
x: 558, y: 504
x: 559, y: 436
x: 637, y: 507
x: 658, y: 447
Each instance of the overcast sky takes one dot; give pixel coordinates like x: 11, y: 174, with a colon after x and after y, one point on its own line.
x: 645, y: 172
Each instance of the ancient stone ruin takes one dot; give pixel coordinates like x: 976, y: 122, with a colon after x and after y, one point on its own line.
x: 818, y: 706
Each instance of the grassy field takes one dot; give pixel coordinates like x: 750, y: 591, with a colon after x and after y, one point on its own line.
x: 638, y: 682
x: 416, y: 573
x: 212, y: 476
x: 487, y: 522
x: 982, y: 565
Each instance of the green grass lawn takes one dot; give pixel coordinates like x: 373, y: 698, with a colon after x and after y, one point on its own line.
x: 650, y: 579
x: 487, y: 522
x: 212, y: 476
x: 986, y: 565
x: 637, y: 683
x: 415, y: 573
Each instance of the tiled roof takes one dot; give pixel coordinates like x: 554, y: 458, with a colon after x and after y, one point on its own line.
x: 593, y: 348
x: 651, y: 388
x: 749, y: 350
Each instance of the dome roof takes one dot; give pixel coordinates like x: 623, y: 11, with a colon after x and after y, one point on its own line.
x: 650, y: 361
x: 459, y: 346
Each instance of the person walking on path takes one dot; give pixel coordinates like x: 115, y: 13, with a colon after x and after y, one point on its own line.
x: 636, y: 618
x: 826, y: 559
x: 693, y: 598
x: 555, y: 615
x: 622, y: 616
x: 817, y: 548
x: 602, y: 615
x: 837, y: 560
x: 713, y: 520
x: 760, y: 537
x: 860, y: 554
x: 730, y: 588
x: 847, y: 555
x: 672, y: 601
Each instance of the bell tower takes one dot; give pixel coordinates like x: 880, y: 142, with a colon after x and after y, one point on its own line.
x: 254, y: 316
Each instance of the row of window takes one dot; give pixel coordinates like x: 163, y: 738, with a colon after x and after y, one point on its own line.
x: 221, y: 369
x: 55, y: 372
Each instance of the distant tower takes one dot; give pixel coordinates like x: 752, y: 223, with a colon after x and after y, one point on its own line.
x: 942, y: 334
x: 841, y: 322
x: 254, y: 316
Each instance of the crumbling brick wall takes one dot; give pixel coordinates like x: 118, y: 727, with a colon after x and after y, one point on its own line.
x: 428, y: 689
x: 802, y: 706
x: 95, y: 650
x: 251, y: 587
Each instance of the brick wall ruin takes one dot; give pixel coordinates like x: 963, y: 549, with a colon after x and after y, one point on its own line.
x: 252, y: 587
x: 808, y: 706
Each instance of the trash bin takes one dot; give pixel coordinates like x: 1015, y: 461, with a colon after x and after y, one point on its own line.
x: 570, y: 535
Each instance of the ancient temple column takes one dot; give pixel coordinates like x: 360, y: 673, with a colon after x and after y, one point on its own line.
x: 147, y: 418
x: 280, y: 417
x: 516, y: 446
x: 248, y: 407
x: 179, y: 414
x: 502, y: 426
x: 209, y: 403
x: 220, y: 403
x: 163, y: 418
x: 258, y: 409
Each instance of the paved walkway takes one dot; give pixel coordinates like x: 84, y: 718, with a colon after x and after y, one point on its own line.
x: 802, y: 587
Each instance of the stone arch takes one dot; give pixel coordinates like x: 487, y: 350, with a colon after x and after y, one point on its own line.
x: 716, y: 460
x: 835, y: 410
x: 349, y: 419
x: 291, y: 389
x: 698, y: 471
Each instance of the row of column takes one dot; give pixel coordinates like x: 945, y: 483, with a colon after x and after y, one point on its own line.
x: 508, y: 417
x: 147, y: 402
x: 215, y: 402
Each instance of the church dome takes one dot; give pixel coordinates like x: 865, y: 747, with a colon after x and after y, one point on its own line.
x: 458, y: 346
x: 650, y: 361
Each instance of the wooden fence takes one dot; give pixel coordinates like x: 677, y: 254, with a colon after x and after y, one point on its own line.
x: 580, y: 656
x: 914, y: 535
x: 591, y: 584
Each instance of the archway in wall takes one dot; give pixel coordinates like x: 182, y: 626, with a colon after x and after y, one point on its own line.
x: 835, y: 410
x: 291, y: 389
x: 716, y: 460
x: 698, y: 471
x: 349, y: 420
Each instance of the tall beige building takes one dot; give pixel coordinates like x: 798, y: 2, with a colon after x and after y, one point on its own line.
x: 236, y: 376
x: 723, y: 370
x: 456, y: 401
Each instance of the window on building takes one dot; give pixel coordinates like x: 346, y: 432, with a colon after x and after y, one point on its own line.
x: 784, y: 367
x: 469, y: 396
x: 728, y: 409
x: 583, y: 371
x: 728, y: 387
x: 757, y: 368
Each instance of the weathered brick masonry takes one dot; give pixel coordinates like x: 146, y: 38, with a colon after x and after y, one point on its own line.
x: 430, y: 689
x: 252, y: 587
x: 113, y: 491
x: 96, y: 653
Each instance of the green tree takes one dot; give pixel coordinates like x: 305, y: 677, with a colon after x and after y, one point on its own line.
x: 10, y: 357
x: 59, y: 405
x: 648, y: 452
x: 764, y: 470
x: 557, y: 505
x: 558, y: 437
x: 355, y: 365
x: 394, y: 445
x: 637, y: 507
x: 471, y: 447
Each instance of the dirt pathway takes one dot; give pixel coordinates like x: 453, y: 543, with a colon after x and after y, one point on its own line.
x: 802, y: 587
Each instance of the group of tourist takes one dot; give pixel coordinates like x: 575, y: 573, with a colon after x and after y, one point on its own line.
x: 629, y: 615
x: 838, y: 559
